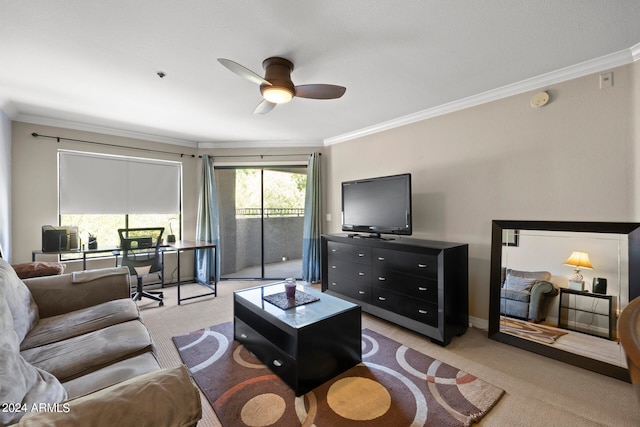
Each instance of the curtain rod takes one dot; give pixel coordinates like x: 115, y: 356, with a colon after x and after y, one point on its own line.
x: 260, y: 155
x: 58, y: 138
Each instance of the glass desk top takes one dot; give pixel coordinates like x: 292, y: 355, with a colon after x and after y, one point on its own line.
x: 296, y: 317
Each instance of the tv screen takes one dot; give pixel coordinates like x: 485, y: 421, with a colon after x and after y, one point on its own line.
x: 377, y: 205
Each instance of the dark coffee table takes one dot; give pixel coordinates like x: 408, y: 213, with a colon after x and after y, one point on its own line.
x: 305, y: 345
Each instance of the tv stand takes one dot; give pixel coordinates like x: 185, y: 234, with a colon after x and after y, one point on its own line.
x: 418, y: 284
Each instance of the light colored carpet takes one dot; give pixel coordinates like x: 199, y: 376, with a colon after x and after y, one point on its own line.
x: 539, y: 391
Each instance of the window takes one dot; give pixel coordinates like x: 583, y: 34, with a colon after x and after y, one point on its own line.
x: 101, y: 193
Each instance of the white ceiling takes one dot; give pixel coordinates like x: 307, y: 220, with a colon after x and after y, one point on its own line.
x: 89, y: 64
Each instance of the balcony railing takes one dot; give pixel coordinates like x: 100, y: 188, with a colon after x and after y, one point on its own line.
x: 270, y: 212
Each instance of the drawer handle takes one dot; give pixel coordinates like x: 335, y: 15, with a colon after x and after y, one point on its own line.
x: 422, y: 265
x: 422, y: 288
x: 334, y: 284
x: 382, y: 279
x: 243, y: 335
x: 277, y: 363
x: 423, y: 311
x: 360, y: 255
x: 361, y: 274
x: 334, y: 250
x: 361, y: 292
x: 380, y: 258
x: 334, y: 267
x: 382, y: 298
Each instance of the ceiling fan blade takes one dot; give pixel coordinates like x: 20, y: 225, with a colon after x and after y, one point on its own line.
x: 264, y: 107
x: 243, y: 71
x: 320, y: 91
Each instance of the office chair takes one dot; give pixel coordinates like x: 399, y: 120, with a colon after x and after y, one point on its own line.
x: 141, y: 254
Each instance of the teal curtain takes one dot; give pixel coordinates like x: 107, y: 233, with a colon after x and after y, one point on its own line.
x: 312, y: 222
x: 207, y: 227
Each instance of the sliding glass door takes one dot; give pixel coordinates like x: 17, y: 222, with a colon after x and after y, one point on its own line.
x: 261, y: 221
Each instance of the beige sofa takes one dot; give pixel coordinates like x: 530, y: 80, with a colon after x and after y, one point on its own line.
x: 75, y: 352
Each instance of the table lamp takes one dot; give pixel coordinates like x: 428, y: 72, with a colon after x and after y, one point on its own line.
x: 578, y: 260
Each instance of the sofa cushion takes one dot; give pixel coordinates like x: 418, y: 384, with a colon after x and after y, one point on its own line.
x: 519, y: 283
x: 20, y: 304
x: 165, y: 397
x: 516, y: 295
x: 86, y: 353
x: 57, y: 328
x: 59, y: 294
x: 21, y: 383
x: 112, y: 374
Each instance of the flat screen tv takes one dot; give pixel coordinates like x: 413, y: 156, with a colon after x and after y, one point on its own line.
x: 377, y: 206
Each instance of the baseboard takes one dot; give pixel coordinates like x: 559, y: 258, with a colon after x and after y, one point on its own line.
x: 478, y: 323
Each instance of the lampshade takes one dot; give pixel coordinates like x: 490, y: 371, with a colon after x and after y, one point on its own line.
x: 277, y: 95
x: 579, y: 260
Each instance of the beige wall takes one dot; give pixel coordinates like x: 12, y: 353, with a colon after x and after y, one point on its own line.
x: 635, y: 119
x: 35, y: 175
x: 570, y: 160
x: 5, y: 184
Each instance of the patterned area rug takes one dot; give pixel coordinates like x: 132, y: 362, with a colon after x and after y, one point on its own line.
x: 393, y: 386
x: 529, y: 330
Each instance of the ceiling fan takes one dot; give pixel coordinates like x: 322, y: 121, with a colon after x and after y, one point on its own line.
x: 277, y: 88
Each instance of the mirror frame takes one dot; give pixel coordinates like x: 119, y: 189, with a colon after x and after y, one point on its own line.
x: 630, y: 229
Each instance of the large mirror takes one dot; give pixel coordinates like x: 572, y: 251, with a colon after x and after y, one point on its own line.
x: 557, y: 289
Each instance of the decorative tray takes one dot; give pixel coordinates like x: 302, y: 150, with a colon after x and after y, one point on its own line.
x: 280, y: 299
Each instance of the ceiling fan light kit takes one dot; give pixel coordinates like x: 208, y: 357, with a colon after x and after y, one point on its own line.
x: 277, y: 87
x: 277, y: 95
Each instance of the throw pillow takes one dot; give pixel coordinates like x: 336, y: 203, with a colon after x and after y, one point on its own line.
x: 28, y: 270
x: 540, y: 275
x: 20, y: 303
x: 23, y: 385
x: 515, y: 283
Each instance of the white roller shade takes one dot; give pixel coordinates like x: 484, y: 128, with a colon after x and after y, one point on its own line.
x: 101, y: 184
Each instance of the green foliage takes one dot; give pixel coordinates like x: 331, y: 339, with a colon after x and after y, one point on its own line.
x: 283, y: 188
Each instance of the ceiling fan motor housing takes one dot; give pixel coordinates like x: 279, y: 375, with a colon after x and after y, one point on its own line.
x: 278, y: 73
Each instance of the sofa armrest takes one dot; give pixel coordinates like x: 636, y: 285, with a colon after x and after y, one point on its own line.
x: 537, y: 304
x: 167, y: 397
x: 61, y: 294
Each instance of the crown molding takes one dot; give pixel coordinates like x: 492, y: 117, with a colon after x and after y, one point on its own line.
x: 602, y: 63
x: 635, y: 52
x: 259, y: 144
x: 8, y: 108
x: 45, y: 121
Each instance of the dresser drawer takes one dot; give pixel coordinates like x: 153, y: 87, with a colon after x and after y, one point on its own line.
x: 348, y: 253
x: 421, y: 311
x: 354, y: 289
x: 339, y: 269
x: 423, y: 288
x: 407, y: 262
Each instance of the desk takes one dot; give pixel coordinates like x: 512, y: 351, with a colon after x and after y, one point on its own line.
x: 115, y: 251
x: 179, y: 247
x: 191, y: 245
